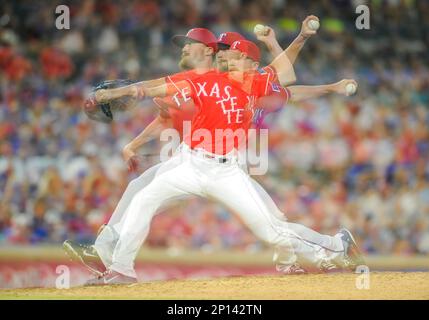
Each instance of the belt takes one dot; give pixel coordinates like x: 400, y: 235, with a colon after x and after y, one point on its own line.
x: 215, y: 157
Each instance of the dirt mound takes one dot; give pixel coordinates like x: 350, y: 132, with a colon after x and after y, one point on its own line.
x: 382, y: 285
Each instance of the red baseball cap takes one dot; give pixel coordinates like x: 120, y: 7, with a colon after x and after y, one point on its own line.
x: 201, y: 35
x: 226, y: 39
x: 247, y: 47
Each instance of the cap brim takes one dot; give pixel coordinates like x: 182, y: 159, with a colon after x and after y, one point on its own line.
x: 181, y: 40
x: 223, y: 46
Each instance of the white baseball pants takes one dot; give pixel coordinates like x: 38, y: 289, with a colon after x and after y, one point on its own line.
x: 189, y: 174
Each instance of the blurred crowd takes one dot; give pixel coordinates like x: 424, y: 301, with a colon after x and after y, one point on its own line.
x: 360, y: 162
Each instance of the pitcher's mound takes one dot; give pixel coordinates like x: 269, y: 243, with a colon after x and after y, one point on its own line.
x: 379, y: 285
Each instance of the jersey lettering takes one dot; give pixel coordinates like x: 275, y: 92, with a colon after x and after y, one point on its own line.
x: 215, y: 90
x: 233, y: 115
x: 184, y: 94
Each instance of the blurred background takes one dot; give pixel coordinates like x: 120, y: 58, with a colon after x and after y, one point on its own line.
x: 360, y: 162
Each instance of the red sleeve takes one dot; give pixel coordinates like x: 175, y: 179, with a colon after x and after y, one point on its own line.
x: 272, y: 72
x: 176, y: 77
x: 262, y: 85
x: 174, y: 80
x: 276, y: 97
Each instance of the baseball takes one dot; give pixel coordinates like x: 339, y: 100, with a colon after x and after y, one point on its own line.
x: 351, y: 88
x: 260, y: 29
x: 313, y: 24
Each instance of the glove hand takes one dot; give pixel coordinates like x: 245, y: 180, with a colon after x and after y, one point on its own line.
x: 102, y: 95
x: 90, y: 104
x: 101, y: 106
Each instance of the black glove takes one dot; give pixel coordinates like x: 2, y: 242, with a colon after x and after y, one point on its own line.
x: 104, y: 112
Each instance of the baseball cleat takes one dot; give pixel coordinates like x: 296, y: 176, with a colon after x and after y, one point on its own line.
x: 352, y: 256
x: 327, y: 266
x: 86, y: 255
x: 293, y: 269
x: 110, y: 277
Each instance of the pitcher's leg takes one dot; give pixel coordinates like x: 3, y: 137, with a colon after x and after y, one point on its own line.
x: 330, y: 243
x: 108, y: 237
x: 329, y: 247
x: 175, y: 182
x: 237, y: 192
x: 105, y: 244
x: 283, y: 257
x: 133, y: 187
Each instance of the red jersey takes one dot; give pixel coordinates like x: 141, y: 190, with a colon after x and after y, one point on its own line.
x: 275, y: 101
x: 279, y: 95
x: 225, y: 109
x: 179, y: 107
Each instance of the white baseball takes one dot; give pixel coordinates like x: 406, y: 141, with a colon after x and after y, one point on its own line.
x: 351, y: 88
x: 260, y: 29
x: 313, y: 24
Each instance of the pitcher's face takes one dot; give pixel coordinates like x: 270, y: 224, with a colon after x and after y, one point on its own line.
x: 192, y: 54
x: 222, y: 60
x: 237, y: 61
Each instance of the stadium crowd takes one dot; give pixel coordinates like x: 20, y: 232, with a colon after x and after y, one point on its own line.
x: 360, y: 162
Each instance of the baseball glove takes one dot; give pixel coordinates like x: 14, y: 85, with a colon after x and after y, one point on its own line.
x: 104, y: 112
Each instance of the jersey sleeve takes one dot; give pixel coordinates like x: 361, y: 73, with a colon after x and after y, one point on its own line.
x: 275, y: 99
x: 263, y: 84
x: 176, y: 77
x: 183, y: 84
x: 184, y: 89
x: 272, y: 72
